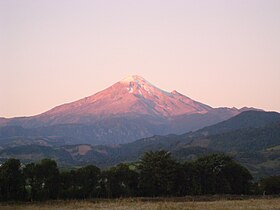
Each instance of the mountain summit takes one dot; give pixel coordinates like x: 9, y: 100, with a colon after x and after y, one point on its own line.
x: 129, y: 109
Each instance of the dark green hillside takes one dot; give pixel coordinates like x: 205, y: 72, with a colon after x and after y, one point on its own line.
x: 256, y: 148
x: 247, y: 139
x: 247, y: 119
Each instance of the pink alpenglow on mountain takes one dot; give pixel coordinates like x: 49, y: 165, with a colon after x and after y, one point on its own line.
x: 132, y: 95
x: 130, y: 109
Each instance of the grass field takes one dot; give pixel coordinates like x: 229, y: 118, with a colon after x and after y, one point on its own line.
x: 118, y: 204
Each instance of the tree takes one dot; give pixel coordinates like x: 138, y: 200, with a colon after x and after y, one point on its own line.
x: 270, y: 185
x: 48, y: 174
x: 69, y: 187
x: 121, y: 181
x: 220, y: 174
x: 238, y: 177
x: 43, y: 179
x: 157, y: 173
x: 87, y: 180
x: 12, y: 184
x: 29, y: 172
x: 187, y: 180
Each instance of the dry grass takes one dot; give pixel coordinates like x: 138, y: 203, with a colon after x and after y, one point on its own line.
x: 119, y: 204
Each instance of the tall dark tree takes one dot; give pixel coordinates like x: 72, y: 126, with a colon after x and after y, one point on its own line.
x: 187, y: 181
x: 32, y: 185
x: 220, y: 174
x: 69, y: 185
x: 87, y: 181
x: 121, y: 181
x: 12, y: 184
x: 270, y: 185
x: 238, y: 177
x: 42, y: 180
x: 157, y: 173
x: 49, y: 175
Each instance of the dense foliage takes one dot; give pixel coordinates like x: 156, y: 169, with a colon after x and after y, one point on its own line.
x: 156, y: 174
x: 247, y: 140
x: 270, y: 185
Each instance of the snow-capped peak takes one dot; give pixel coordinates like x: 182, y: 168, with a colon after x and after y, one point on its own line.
x: 136, y: 83
x: 135, y: 78
x: 132, y: 94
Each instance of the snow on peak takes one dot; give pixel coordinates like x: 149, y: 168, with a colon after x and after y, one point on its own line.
x: 135, y: 83
x: 133, y: 78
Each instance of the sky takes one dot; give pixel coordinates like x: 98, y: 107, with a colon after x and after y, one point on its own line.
x: 222, y: 53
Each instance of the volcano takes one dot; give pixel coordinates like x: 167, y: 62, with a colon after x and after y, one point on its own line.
x: 130, y: 109
x: 132, y: 96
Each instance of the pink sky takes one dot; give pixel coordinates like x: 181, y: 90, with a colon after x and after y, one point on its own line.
x: 221, y: 53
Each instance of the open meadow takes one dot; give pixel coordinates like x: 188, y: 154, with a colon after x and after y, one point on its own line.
x: 138, y: 203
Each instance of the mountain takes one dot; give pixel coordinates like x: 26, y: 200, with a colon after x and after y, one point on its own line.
x: 130, y: 109
x: 130, y: 97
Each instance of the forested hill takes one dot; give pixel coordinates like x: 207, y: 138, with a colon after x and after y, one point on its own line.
x: 247, y: 139
x: 247, y: 119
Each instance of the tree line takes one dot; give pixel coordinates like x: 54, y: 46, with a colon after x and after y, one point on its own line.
x: 155, y: 174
